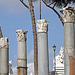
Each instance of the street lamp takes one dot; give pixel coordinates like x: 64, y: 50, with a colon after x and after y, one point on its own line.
x: 40, y: 9
x: 54, y: 48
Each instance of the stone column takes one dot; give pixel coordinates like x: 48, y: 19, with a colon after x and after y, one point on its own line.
x: 43, y: 58
x: 21, y: 52
x: 74, y: 28
x: 4, y: 56
x: 69, y: 53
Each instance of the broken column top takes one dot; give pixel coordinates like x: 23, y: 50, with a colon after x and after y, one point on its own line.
x: 42, y: 26
x: 68, y: 14
x: 3, y: 43
x: 21, y: 35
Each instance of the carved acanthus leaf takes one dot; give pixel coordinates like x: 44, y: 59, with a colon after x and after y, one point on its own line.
x: 68, y: 14
x: 3, y: 43
x: 42, y: 26
x: 21, y: 35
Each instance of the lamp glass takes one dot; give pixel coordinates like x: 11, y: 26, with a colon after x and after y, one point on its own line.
x: 54, y: 47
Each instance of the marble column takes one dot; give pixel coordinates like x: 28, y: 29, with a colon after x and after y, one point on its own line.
x: 21, y: 52
x: 4, y: 56
x: 69, y: 52
x: 43, y: 57
x: 74, y: 30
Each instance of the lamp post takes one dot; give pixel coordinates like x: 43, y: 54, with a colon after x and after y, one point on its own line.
x: 54, y: 48
x: 40, y: 9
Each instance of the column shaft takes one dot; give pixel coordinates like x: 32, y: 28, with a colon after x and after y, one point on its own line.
x: 68, y: 46
x: 4, y: 56
x: 74, y: 30
x: 43, y: 62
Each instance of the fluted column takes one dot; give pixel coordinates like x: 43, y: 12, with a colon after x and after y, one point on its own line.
x: 21, y: 52
x: 69, y: 52
x: 4, y: 56
x: 43, y: 58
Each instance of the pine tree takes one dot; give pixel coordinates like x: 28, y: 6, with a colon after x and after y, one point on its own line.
x: 59, y: 4
x: 30, y: 7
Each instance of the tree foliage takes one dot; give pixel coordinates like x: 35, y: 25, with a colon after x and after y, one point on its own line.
x: 60, y: 3
x: 34, y: 0
x: 57, y: 3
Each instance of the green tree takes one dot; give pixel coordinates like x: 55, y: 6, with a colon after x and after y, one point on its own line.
x: 59, y: 4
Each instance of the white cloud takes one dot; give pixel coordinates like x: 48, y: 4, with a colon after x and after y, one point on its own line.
x: 30, y: 64
x: 14, y: 70
x: 31, y: 57
x: 30, y: 68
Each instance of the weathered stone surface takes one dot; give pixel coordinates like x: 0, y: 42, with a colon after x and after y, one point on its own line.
x: 69, y: 50
x: 3, y: 43
x: 42, y: 26
x: 21, y: 52
x: 72, y: 65
x: 68, y: 14
x: 68, y: 19
x: 21, y: 35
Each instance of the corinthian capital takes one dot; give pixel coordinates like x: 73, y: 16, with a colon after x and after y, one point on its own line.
x: 3, y: 43
x: 68, y: 14
x: 42, y: 26
x: 21, y: 35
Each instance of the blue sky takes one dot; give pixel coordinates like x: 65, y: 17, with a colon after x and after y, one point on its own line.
x: 14, y: 16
